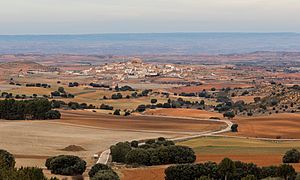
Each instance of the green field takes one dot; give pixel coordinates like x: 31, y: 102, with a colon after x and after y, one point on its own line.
x: 226, y: 145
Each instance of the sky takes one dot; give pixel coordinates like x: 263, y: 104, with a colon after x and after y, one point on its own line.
x: 147, y: 16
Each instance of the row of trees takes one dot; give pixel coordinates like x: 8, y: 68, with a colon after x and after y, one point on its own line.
x: 37, y: 109
x: 153, y: 152
x: 74, y: 166
x: 228, y: 170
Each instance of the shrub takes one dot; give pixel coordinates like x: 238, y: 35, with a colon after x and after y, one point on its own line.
x: 234, y: 128
x: 29, y: 173
x: 96, y: 168
x: 291, y: 156
x: 227, y: 168
x: 138, y: 156
x: 66, y: 165
x: 119, y: 151
x: 7, y: 160
x: 105, y: 175
x: 117, y: 112
x: 229, y: 114
x: 286, y: 171
x: 182, y: 172
x: 134, y: 144
x: 181, y: 154
x: 53, y: 114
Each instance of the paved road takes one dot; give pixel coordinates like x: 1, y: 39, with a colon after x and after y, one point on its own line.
x: 105, y: 155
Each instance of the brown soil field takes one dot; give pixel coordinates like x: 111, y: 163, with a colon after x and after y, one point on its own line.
x: 33, y: 141
x: 184, y: 113
x: 190, y: 89
x: 285, y: 126
x: 137, y: 123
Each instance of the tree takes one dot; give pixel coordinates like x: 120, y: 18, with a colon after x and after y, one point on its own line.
x: 119, y: 151
x: 134, y: 144
x: 141, y: 108
x: 227, y: 168
x: 105, y: 175
x: 153, y: 101
x: 291, y: 156
x: 96, y: 168
x: 286, y: 171
x: 66, y: 165
x: 53, y: 114
x: 138, y: 156
x: 7, y: 160
x: 61, y: 90
x: 117, y: 112
x: 229, y: 114
x: 234, y: 127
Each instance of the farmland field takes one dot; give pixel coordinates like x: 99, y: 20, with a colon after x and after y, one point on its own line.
x: 262, y: 153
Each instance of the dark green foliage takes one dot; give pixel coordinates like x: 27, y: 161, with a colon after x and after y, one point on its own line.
x: 181, y: 154
x: 153, y: 101
x: 7, y: 160
x: 119, y: 151
x: 291, y: 156
x: 229, y: 114
x: 234, y: 128
x: 182, y: 172
x: 117, y: 112
x: 66, y: 165
x: 30, y: 173
x: 27, y: 173
x: 105, y: 175
x: 138, y: 156
x: 53, y: 114
x: 96, y: 168
x: 141, y: 108
x: 11, y: 109
x: 227, y: 168
x: 106, y: 107
x: 117, y: 96
x: 134, y: 144
x: 286, y: 171
x: 8, y: 172
x: 150, y: 141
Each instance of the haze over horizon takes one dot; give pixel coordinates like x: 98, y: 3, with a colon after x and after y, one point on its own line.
x: 143, y: 16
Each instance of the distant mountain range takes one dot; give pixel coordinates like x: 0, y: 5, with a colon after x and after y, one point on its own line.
x: 151, y: 44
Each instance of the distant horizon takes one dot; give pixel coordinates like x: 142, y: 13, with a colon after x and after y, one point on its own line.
x: 171, y: 32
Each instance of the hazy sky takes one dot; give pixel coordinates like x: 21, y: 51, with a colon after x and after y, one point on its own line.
x: 110, y: 16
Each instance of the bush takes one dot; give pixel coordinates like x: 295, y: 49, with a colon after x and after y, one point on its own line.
x: 7, y: 160
x: 30, y: 173
x: 53, y: 114
x: 181, y: 154
x: 182, y: 172
x: 105, y: 175
x: 134, y: 144
x: 291, y: 156
x: 234, y: 128
x: 96, y: 168
x: 119, y: 151
x: 66, y: 165
x: 286, y: 171
x: 138, y: 156
x: 117, y: 112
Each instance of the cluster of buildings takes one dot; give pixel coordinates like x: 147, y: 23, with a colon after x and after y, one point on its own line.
x: 137, y: 69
